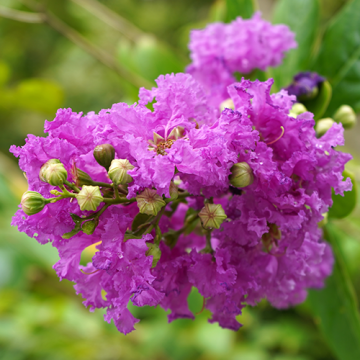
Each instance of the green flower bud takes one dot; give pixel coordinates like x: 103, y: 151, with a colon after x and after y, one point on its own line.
x: 104, y: 154
x: 323, y: 125
x: 89, y: 198
x: 32, y: 202
x: 297, y: 109
x: 212, y: 215
x: 241, y: 175
x: 149, y: 202
x: 53, y: 172
x: 81, y: 178
x: 45, y: 166
x: 345, y: 115
x: 89, y: 227
x: 227, y: 104
x: 118, y: 171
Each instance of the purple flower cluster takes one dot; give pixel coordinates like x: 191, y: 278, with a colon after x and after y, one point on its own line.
x: 220, y: 50
x: 269, y: 244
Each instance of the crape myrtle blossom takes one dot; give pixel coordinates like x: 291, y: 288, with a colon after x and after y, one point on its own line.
x: 220, y: 50
x: 266, y: 243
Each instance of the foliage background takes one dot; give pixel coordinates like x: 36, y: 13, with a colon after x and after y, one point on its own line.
x: 42, y: 70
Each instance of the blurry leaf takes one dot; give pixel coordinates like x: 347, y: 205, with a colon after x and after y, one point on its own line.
x: 235, y: 8
x: 339, y: 57
x: 335, y: 306
x: 39, y: 95
x: 344, y: 205
x: 4, y: 73
x: 140, y: 219
x: 320, y: 103
x: 217, y: 11
x: 149, y: 58
x: 302, y: 17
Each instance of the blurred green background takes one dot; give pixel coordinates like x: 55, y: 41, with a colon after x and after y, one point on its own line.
x: 87, y: 57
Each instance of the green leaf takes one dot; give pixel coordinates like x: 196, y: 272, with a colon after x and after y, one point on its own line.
x: 243, y: 8
x: 344, y: 205
x: 140, y: 219
x: 320, y: 103
x: 155, y: 252
x: 39, y: 95
x: 149, y: 57
x: 339, y: 57
x: 335, y: 307
x: 302, y: 17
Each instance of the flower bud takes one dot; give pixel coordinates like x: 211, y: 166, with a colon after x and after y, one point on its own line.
x: 297, y: 109
x: 81, y: 178
x: 323, y: 125
x: 89, y: 198
x: 104, y: 154
x: 345, y: 115
x: 227, y: 104
x: 118, y: 171
x: 89, y: 227
x: 53, y: 172
x: 241, y: 175
x: 212, y: 215
x: 45, y: 166
x: 149, y: 202
x: 32, y: 202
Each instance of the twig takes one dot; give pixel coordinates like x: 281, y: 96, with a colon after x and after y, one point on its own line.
x: 22, y: 16
x: 82, y: 42
x: 111, y: 18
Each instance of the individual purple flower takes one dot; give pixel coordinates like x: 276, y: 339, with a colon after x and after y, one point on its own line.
x: 220, y: 50
x: 305, y: 85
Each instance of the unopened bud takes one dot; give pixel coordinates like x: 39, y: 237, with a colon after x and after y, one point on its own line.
x: 104, y: 154
x: 212, y: 215
x: 53, y: 172
x: 227, y: 104
x: 149, y: 202
x: 32, y: 202
x: 81, y: 178
x: 89, y: 227
x: 241, y: 175
x: 323, y: 125
x: 345, y: 115
x: 89, y: 197
x: 118, y: 171
x: 297, y: 109
x: 45, y: 166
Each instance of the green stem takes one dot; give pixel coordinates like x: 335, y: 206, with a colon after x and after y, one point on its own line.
x: 118, y: 201
x: 101, y: 184
x: 72, y: 186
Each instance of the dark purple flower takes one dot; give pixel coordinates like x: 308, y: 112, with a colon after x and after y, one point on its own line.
x: 305, y: 85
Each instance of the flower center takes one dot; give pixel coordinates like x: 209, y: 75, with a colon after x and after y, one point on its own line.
x: 160, y: 148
